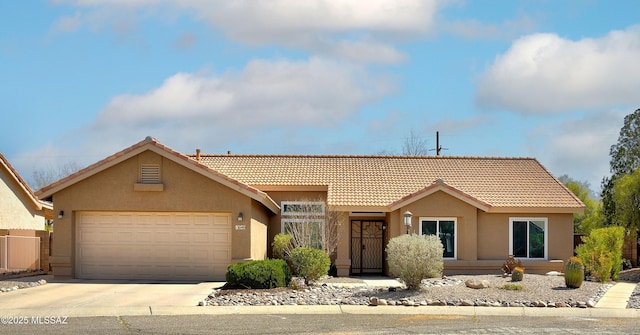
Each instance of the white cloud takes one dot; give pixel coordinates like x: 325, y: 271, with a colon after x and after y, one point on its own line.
x: 580, y: 147
x: 317, y: 92
x: 544, y: 73
x: 268, y: 106
x: 264, y: 101
x: 356, y: 30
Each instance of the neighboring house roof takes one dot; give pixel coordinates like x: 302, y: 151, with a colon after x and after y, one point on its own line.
x: 385, y: 183
x: 152, y: 144
x: 24, y: 187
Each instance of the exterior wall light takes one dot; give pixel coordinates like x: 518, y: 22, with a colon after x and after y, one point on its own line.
x: 240, y: 217
x: 407, y: 220
x: 60, y: 214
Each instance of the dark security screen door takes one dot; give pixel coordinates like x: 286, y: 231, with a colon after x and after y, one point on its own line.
x: 367, y: 247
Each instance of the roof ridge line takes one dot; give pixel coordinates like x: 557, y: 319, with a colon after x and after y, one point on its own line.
x: 359, y: 156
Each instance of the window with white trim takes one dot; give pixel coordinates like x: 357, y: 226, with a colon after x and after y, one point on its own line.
x: 297, y: 208
x: 309, y: 230
x: 446, y: 229
x: 528, y: 237
x: 304, y: 220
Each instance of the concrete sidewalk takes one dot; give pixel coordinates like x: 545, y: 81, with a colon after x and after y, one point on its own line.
x: 76, y: 298
x: 617, y: 296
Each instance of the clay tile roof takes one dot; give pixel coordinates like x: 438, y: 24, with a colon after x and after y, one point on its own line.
x: 383, y: 180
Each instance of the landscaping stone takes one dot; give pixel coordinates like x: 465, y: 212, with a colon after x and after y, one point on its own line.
x: 539, y: 290
x: 477, y: 284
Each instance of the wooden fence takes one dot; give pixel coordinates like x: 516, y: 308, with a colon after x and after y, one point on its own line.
x: 19, y: 252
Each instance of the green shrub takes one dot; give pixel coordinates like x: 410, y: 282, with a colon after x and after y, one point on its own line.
x: 281, y: 245
x: 574, y: 272
x: 601, y: 252
x: 261, y: 274
x: 517, y: 274
x: 309, y: 263
x: 415, y: 257
x: 512, y: 287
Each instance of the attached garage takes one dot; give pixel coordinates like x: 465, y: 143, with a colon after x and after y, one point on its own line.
x: 151, y: 213
x: 152, y: 245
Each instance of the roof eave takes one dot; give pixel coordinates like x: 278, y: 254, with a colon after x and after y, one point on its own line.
x: 162, y: 150
x: 440, y: 186
x: 24, y: 187
x: 536, y: 210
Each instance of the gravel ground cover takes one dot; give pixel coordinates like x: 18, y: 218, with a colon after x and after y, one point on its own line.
x: 11, y: 280
x: 537, y: 291
x: 633, y: 276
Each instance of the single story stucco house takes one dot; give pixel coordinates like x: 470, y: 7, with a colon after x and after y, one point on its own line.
x: 150, y: 212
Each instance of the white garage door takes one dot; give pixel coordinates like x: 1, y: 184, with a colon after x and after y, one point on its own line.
x: 154, y: 246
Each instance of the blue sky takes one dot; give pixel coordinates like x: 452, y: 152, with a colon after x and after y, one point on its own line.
x: 83, y: 79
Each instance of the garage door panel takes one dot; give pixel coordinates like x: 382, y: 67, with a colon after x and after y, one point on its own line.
x: 157, y: 246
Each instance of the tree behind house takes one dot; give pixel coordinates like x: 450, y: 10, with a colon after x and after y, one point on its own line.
x: 625, y: 160
x: 592, y: 216
x: 42, y: 176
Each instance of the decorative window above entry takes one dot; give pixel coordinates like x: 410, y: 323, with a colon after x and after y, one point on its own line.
x: 149, y: 178
x: 296, y: 208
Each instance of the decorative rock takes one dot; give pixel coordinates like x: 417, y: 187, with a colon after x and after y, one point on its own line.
x: 561, y: 304
x: 382, y: 302
x: 202, y: 303
x: 554, y: 273
x: 591, y: 304
x: 475, y: 284
x: 374, y: 301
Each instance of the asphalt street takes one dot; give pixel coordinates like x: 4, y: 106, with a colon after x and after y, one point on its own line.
x: 328, y: 324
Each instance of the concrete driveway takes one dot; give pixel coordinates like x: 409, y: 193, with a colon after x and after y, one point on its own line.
x: 89, y: 297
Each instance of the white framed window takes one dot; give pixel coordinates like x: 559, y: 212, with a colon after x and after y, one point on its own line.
x: 311, y: 230
x: 302, y: 208
x: 446, y: 229
x: 305, y: 221
x: 528, y: 237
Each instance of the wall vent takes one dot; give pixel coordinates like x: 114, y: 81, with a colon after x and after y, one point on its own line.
x: 150, y: 174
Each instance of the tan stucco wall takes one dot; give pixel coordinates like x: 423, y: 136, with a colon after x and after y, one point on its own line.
x: 113, y: 190
x: 343, y: 253
x: 17, y: 210
x: 493, y: 235
x: 442, y: 205
x: 483, y: 238
x: 259, y: 222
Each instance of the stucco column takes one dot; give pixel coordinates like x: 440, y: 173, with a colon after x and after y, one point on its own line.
x: 63, y: 244
x: 343, y: 254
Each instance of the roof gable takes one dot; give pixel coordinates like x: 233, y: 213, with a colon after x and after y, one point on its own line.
x: 151, y: 144
x: 439, y: 186
x: 8, y: 169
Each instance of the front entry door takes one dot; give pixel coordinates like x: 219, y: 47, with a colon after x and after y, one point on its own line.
x: 367, y: 247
